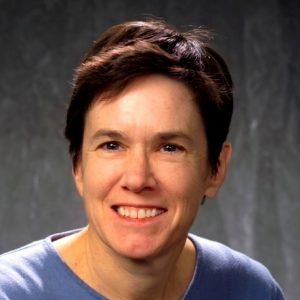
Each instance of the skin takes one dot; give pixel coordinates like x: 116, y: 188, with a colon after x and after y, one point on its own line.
x: 144, y: 148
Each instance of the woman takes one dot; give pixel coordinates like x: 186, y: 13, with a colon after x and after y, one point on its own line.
x: 147, y: 126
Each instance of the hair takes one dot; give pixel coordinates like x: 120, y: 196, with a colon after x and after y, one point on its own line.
x: 132, y: 49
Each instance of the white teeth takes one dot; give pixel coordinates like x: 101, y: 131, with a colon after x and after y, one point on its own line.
x: 148, y: 213
x: 141, y: 213
x: 133, y: 214
x: 126, y: 212
x: 138, y: 213
x: 122, y: 211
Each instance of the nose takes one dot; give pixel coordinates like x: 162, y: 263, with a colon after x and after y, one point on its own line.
x: 138, y: 175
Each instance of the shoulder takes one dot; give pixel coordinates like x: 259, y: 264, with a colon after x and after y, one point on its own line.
x: 223, y: 258
x: 236, y: 271
x: 19, y: 269
x: 36, y: 271
x: 33, y: 270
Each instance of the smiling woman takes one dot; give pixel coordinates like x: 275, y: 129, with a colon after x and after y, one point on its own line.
x: 162, y: 168
x: 147, y: 126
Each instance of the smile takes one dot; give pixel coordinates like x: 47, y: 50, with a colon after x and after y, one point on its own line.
x: 138, y: 213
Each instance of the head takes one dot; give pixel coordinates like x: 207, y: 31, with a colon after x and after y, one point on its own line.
x: 134, y: 49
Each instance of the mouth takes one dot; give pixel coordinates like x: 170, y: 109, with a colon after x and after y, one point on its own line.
x: 138, y: 212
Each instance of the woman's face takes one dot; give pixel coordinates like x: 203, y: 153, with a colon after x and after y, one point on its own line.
x: 144, y: 167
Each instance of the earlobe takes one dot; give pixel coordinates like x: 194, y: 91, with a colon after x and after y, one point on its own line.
x: 77, y: 175
x: 217, y: 179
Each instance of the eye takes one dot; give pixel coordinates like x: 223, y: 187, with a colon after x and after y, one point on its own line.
x: 171, y: 148
x: 111, y: 146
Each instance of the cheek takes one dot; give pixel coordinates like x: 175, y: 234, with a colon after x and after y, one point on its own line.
x: 184, y: 182
x: 99, y: 178
x: 184, y: 196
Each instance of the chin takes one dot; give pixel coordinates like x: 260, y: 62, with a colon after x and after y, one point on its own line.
x: 139, y: 250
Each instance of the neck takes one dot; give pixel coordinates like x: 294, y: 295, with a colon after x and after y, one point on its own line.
x: 118, y: 277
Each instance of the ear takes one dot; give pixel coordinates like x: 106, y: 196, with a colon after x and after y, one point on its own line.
x: 78, y: 178
x: 216, y: 180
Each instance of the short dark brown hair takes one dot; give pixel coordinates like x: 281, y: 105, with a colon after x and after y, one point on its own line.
x: 133, y: 49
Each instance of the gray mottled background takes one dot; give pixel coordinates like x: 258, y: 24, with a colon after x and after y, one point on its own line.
x: 257, y: 212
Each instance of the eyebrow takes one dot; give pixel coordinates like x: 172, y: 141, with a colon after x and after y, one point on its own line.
x: 171, y: 135
x: 163, y: 136
x: 114, y: 134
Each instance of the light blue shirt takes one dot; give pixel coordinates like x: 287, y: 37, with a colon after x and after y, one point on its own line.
x: 36, y: 272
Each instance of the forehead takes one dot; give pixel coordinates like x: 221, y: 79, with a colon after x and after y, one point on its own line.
x: 151, y: 101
